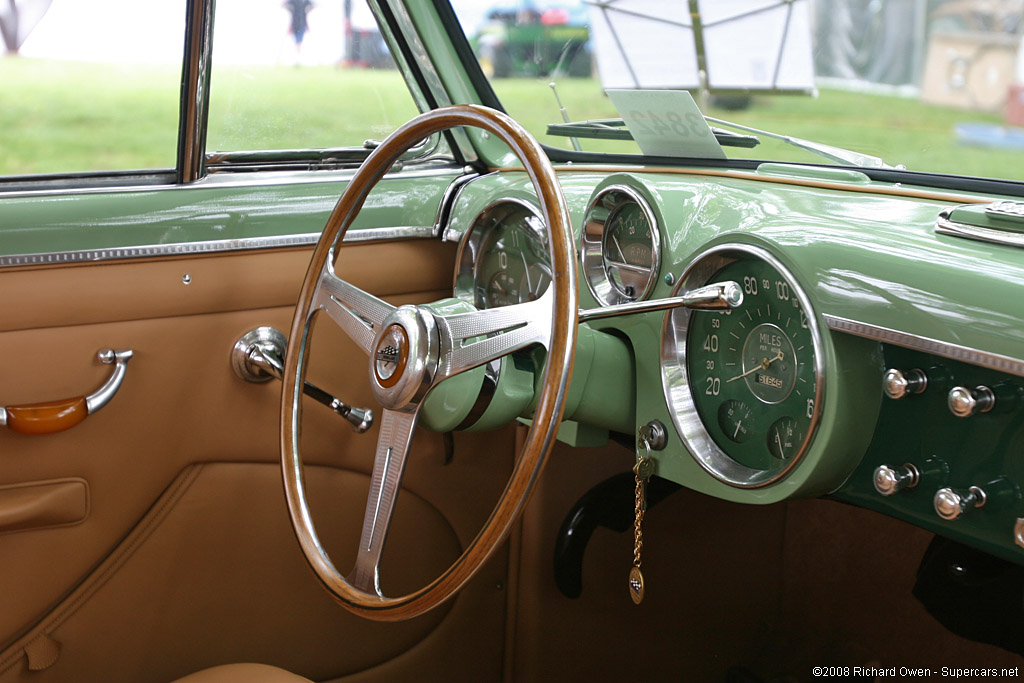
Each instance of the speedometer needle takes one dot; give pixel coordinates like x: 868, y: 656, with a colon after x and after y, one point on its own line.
x: 763, y: 365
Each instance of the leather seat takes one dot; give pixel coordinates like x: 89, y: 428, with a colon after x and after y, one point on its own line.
x: 243, y: 673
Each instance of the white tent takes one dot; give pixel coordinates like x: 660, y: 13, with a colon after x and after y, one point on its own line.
x: 713, y: 45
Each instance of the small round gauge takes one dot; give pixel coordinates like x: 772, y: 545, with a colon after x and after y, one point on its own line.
x: 503, y: 290
x: 620, y: 246
x: 783, y: 438
x: 628, y: 251
x: 503, y: 257
x: 734, y: 417
x: 744, y: 385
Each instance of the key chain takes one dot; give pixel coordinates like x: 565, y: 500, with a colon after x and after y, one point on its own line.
x: 643, y: 470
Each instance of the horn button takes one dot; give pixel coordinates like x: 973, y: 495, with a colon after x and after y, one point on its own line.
x: 391, y: 356
x: 404, y: 357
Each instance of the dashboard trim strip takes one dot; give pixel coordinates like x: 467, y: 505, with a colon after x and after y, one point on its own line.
x: 212, y: 246
x: 993, y: 361
x: 890, y: 190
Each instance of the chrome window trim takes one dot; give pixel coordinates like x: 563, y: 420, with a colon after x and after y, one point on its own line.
x: 935, y: 347
x: 194, y: 99
x: 404, y: 232
x: 431, y: 77
x: 268, y: 178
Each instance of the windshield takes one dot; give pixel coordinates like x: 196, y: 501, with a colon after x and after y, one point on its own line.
x: 932, y: 85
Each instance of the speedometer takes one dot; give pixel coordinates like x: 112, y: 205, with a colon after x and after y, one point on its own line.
x: 745, y: 385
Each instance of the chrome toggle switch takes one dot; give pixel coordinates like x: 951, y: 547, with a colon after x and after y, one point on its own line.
x: 889, y: 480
x: 896, y: 384
x: 950, y: 503
x: 964, y: 402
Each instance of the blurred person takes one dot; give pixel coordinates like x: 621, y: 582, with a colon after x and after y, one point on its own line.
x: 300, y: 24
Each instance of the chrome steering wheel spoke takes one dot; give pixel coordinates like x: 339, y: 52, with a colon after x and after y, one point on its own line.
x: 396, y: 430
x: 473, y: 339
x: 359, y: 314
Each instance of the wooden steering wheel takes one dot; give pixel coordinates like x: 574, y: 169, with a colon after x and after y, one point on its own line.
x: 411, y: 349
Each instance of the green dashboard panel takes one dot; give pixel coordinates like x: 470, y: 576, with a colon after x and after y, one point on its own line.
x: 950, y: 452
x: 213, y: 210
x: 879, y: 283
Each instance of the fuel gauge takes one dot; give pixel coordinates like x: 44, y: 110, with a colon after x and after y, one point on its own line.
x: 784, y: 437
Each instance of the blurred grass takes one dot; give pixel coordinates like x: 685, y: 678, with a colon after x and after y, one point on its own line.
x: 62, y: 117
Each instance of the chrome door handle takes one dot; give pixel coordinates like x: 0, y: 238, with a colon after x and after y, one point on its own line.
x: 257, y: 357
x: 56, y: 416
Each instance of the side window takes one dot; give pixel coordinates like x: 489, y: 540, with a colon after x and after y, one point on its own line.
x: 89, y: 86
x: 301, y: 74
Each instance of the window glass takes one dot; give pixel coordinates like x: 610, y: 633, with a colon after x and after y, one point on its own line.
x: 301, y: 75
x: 935, y: 86
x: 89, y: 86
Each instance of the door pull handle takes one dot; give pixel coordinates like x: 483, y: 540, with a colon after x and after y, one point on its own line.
x: 56, y: 416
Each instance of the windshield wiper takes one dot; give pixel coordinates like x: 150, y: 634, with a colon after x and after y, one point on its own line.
x: 837, y: 154
x: 615, y: 129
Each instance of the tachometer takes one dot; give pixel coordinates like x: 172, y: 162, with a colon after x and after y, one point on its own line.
x: 503, y: 257
x: 745, y: 385
x: 620, y: 246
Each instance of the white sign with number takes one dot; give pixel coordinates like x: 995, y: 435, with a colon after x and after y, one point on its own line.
x: 666, y: 123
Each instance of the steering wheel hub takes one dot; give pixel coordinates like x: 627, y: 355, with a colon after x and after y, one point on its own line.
x: 391, y: 355
x: 404, y: 358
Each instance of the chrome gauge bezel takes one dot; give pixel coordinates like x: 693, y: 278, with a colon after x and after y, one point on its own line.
x: 606, y: 204
x: 467, y: 258
x: 677, y: 383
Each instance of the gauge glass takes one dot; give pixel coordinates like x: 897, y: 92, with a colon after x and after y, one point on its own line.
x: 745, y: 384
x: 628, y: 250
x: 734, y: 418
x: 535, y: 281
x: 503, y: 290
x: 620, y: 246
x: 784, y: 437
x: 503, y: 258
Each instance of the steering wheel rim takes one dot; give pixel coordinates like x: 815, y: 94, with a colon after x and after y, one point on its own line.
x: 561, y: 343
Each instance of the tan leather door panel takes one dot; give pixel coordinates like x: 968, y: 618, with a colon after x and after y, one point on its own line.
x: 184, y: 556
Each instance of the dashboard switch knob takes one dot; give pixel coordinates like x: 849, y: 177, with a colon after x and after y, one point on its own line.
x: 889, y: 480
x: 951, y: 504
x: 964, y: 402
x: 896, y: 383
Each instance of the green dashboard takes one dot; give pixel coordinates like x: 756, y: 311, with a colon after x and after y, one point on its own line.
x: 861, y: 326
